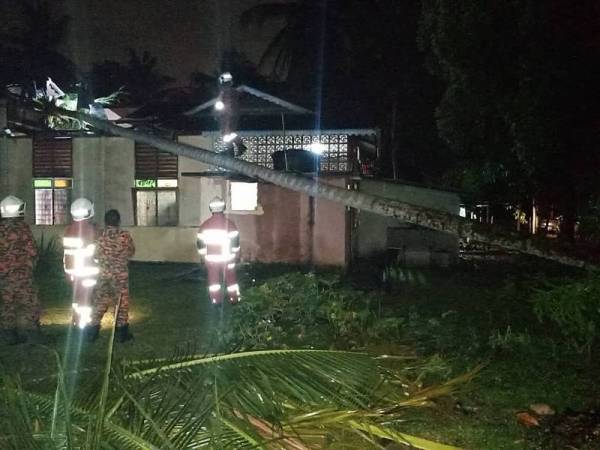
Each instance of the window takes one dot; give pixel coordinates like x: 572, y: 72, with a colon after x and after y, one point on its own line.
x: 52, y: 200
x: 155, y: 191
x: 52, y: 172
x: 243, y: 196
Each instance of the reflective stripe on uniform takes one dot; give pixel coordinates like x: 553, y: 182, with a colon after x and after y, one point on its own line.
x: 81, y: 252
x: 73, y: 242
x: 226, y: 257
x: 81, y: 272
x: 88, y: 282
x: 214, y: 237
x: 214, y: 287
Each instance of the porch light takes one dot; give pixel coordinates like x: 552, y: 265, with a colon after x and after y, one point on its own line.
x: 317, y: 148
x: 229, y: 137
x: 225, y: 78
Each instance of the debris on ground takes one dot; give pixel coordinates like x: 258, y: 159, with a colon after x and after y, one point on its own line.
x: 571, y: 429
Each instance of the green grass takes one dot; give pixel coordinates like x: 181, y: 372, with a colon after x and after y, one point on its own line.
x: 464, y: 315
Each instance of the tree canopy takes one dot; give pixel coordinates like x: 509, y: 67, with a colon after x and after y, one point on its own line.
x: 519, y: 110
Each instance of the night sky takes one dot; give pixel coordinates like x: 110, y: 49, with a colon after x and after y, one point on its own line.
x: 185, y: 35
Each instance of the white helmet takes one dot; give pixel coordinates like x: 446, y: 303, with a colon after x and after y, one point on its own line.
x: 82, y: 209
x: 12, y: 206
x: 216, y: 205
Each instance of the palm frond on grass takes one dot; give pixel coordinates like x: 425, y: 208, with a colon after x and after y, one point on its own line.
x: 279, y: 399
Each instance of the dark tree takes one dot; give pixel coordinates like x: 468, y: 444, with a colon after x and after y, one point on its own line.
x: 520, y: 107
x: 29, y: 53
x: 358, y: 64
x: 139, y: 78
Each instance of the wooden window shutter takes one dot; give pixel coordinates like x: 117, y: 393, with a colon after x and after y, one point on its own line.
x: 52, y: 158
x: 151, y: 163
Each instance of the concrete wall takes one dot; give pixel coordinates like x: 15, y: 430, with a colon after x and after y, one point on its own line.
x: 331, y: 237
x: 276, y: 232
x: 415, y: 245
x: 119, y: 175
x: 16, y: 171
x: 103, y: 171
x: 283, y: 229
x: 195, y: 192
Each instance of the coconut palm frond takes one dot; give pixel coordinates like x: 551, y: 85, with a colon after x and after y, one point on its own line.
x: 18, y: 421
x: 277, y: 52
x: 251, y: 379
x: 112, y: 98
x: 279, y: 399
x: 401, y: 438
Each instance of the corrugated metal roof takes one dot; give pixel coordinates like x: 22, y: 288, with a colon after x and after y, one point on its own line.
x: 253, y: 101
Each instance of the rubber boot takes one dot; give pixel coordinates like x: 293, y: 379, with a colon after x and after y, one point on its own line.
x: 122, y: 334
x: 91, y: 332
x: 11, y: 337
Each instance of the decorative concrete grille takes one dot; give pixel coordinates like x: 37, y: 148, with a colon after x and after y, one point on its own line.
x: 335, y: 157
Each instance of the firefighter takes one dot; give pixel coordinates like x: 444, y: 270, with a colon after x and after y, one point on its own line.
x: 114, y: 248
x: 79, y: 243
x: 20, y: 303
x: 218, y: 244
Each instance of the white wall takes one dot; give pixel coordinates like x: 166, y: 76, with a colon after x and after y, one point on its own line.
x: 119, y: 174
x: 422, y: 243
x: 16, y: 171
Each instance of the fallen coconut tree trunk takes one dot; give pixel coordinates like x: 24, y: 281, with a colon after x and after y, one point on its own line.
x: 403, y: 211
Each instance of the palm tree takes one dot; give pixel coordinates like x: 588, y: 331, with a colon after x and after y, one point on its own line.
x: 314, y: 41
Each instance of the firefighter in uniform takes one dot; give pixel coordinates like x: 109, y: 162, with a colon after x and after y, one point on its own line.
x: 218, y: 243
x: 114, y: 248
x: 80, y: 267
x: 20, y: 303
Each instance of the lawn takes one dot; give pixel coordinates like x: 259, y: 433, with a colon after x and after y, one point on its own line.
x: 453, y: 318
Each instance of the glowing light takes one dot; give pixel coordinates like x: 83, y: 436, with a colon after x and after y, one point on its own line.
x: 11, y: 208
x: 225, y: 77
x: 229, y: 137
x: 73, y: 242
x: 62, y: 183
x: 84, y: 313
x: 226, y: 257
x: 88, y: 282
x: 81, y: 252
x: 214, y: 237
x: 42, y: 183
x: 317, y: 148
x: 244, y: 196
x: 219, y: 105
x: 83, y: 272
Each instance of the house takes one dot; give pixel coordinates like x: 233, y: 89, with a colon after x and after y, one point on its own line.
x: 163, y: 198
